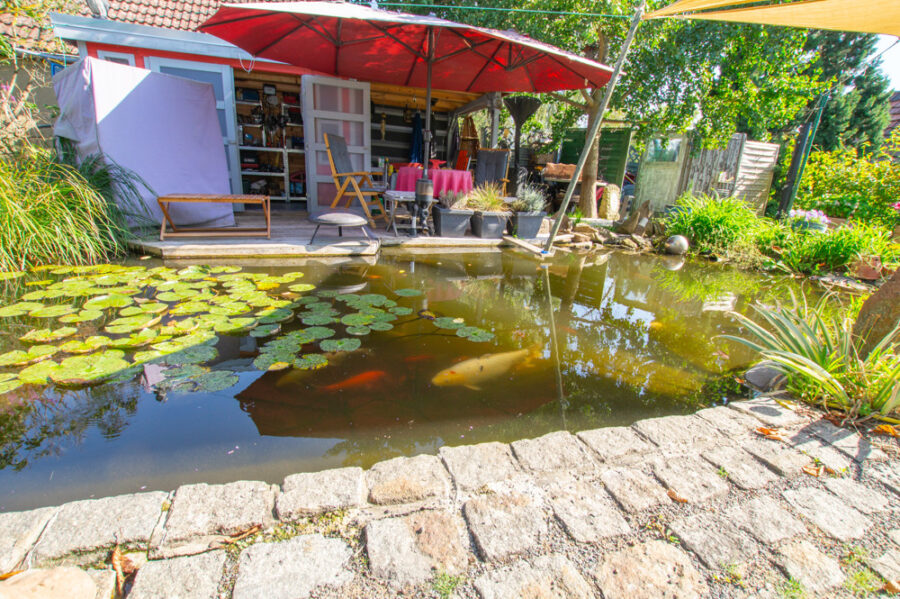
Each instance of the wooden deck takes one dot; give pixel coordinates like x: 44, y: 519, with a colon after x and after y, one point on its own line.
x: 291, y: 232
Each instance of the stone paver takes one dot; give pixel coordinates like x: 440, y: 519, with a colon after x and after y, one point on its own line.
x: 634, y: 490
x: 554, y: 452
x: 65, y: 581
x: 769, y: 412
x: 895, y: 536
x: 741, y: 468
x: 312, y: 493
x: 649, y: 571
x: 714, y: 539
x: 846, y: 440
x: 550, y: 576
x: 780, y: 458
x: 764, y: 376
x: 766, y: 520
x: 18, y: 533
x: 291, y: 569
x: 691, y: 478
x: 473, y: 466
x: 406, y: 480
x: 201, y: 514
x: 821, y: 453
x: 829, y: 513
x: 410, y: 549
x: 616, y: 444
x: 82, y: 529
x: 505, y: 524
x: 588, y: 513
x: 195, y: 576
x: 810, y: 567
x: 732, y: 423
x: 678, y: 432
x: 866, y: 500
x: 887, y: 565
x: 105, y: 581
x: 887, y: 474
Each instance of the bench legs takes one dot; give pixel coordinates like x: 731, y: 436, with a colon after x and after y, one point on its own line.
x: 364, y: 228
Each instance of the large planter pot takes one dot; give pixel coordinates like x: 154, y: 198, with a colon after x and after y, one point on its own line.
x: 526, y: 225
x: 450, y: 223
x: 489, y: 225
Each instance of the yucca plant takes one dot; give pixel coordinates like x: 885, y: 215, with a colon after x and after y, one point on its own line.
x: 823, y: 359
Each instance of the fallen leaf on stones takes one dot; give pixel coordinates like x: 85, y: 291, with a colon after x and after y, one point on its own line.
x: 892, y: 587
x: 813, y: 470
x: 10, y: 574
x: 241, y: 535
x: 122, y: 566
x: 886, y: 429
x: 770, y: 433
x: 673, y: 494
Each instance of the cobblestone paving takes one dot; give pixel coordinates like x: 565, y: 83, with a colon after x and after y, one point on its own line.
x: 676, y: 507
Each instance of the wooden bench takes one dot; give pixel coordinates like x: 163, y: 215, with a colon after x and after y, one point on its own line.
x: 164, y: 202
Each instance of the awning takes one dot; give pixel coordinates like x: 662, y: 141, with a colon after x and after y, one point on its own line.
x: 864, y: 16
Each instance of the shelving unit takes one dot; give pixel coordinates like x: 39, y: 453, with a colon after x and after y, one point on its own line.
x: 271, y: 137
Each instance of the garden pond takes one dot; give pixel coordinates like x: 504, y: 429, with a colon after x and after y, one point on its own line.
x: 141, y: 376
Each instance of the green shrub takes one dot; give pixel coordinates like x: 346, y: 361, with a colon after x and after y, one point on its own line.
x: 844, y: 184
x: 51, y: 213
x: 487, y: 198
x: 712, y: 223
x: 833, y: 250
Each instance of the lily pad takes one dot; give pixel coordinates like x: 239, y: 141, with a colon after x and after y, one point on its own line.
x: 265, y: 360
x: 103, y: 302
x: 373, y: 299
x: 318, y: 319
x: 86, y: 346
x: 407, y: 292
x: 35, y: 353
x: 224, y: 269
x: 381, y: 326
x: 187, y: 371
x: 474, y: 334
x: 48, y: 335
x: 89, y: 370
x: 302, y: 287
x: 9, y: 384
x: 12, y: 274
x: 52, y: 311
x: 278, y: 366
x: 43, y: 294
x: 319, y: 306
x: 333, y: 345
x: 266, y: 330
x: 230, y: 308
x: 196, y: 354
x: 275, y: 316
x: 144, y: 308
x: 37, y: 374
x: 217, y: 380
x: 188, y: 308
x: 40, y: 283
x: 19, y: 309
x: 311, y: 362
x: 235, y: 326
x: 139, y: 339
x: 448, y: 322
x: 129, y: 324
x: 358, y: 319
x: 319, y: 332
x: 83, y: 316
x: 400, y: 310
x: 358, y: 330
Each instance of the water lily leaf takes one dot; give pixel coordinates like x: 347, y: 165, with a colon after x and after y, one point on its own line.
x: 128, y: 324
x: 169, y: 296
x: 35, y: 353
x: 327, y: 292
x: 150, y: 355
x: 224, y: 269
x: 290, y: 277
x: 358, y: 330
x: 186, y: 371
x: 85, y: 346
x: 275, y: 315
x: 267, y: 285
x: 37, y: 374
x: 448, y: 322
x: 40, y: 294
x: 332, y: 345
x: 311, y: 362
x: 230, y: 308
x: 47, y: 335
x: 266, y: 330
x: 358, y: 319
x: 112, y: 300
x: 89, y: 370
x: 407, y: 292
x: 7, y: 275
x: 302, y: 287
x: 319, y: 306
x: 373, y: 299
x: 83, y: 316
x: 317, y: 319
x: 40, y: 283
x: 196, y: 338
x: 188, y: 308
x: 235, y: 326
x: 279, y: 366
x: 382, y: 316
x: 217, y: 380
x: 139, y: 339
x: 381, y: 326
x: 7, y: 385
x: 51, y: 311
x: 61, y: 270
x: 401, y: 310
x: 318, y: 333
x: 474, y: 334
x: 145, y: 308
x: 180, y: 327
x: 195, y: 354
x: 19, y: 309
x: 264, y: 361
x: 307, y: 299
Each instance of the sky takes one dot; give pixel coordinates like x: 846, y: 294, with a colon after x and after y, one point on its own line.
x: 890, y: 60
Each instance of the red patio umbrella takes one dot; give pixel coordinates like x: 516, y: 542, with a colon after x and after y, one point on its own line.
x: 354, y: 41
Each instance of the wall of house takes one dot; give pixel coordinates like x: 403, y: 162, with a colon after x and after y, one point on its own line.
x: 36, y: 72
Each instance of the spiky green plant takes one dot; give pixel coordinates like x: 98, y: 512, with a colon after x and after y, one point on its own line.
x: 529, y: 198
x: 823, y: 360
x: 487, y: 198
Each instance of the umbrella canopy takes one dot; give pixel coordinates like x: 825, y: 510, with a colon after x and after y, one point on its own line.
x: 354, y: 41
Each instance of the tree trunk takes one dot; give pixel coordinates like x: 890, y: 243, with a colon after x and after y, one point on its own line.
x: 588, y: 203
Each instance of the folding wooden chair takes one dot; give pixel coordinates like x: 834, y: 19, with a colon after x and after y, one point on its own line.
x: 353, y: 184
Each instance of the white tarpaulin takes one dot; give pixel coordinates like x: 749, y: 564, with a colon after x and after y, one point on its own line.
x: 163, y: 128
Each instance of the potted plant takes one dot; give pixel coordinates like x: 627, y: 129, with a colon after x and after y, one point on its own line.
x: 451, y: 218
x: 528, y: 212
x: 491, y: 212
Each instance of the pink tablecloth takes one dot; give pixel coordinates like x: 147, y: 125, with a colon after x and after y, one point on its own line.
x: 444, y: 180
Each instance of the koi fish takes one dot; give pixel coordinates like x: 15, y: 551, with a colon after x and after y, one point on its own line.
x: 427, y: 314
x: 471, y: 373
x: 373, y: 276
x: 419, y: 358
x: 360, y: 380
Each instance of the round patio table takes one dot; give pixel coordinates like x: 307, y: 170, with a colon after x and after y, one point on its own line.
x: 443, y: 180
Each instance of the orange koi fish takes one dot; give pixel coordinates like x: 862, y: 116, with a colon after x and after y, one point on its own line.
x: 360, y: 380
x: 419, y: 358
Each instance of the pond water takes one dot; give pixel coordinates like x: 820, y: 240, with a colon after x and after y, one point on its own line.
x: 636, y: 338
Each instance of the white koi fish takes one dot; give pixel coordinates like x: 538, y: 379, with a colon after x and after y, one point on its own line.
x: 472, y: 373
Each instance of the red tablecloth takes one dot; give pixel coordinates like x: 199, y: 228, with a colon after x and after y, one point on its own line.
x: 444, y: 180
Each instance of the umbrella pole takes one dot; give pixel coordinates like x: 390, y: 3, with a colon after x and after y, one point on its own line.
x: 429, y: 61
x: 595, y: 127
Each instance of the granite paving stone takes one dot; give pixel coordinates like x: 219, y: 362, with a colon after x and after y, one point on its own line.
x: 634, y: 490
x: 616, y: 444
x: 866, y: 500
x: 311, y: 493
x: 730, y: 422
x: 105, y: 581
x: 810, y: 567
x: 407, y: 480
x: 195, y: 576
x: 770, y: 412
x: 588, y: 513
x: 887, y: 473
x: 60, y: 582
x: 742, y: 469
x: 678, y: 432
x: 714, y: 539
x: 830, y: 514
x: 779, y: 457
x: 691, y: 478
x: 410, y: 549
x: 649, y: 571
x: 846, y: 440
x: 18, y: 533
x: 202, y: 514
x: 550, y: 576
x: 82, y: 529
x: 554, y: 452
x: 887, y: 565
x: 821, y: 453
x: 291, y: 569
x: 895, y: 536
x: 473, y: 466
x: 766, y: 520
x: 505, y: 524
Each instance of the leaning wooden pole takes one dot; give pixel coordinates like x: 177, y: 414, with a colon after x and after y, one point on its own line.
x: 595, y: 127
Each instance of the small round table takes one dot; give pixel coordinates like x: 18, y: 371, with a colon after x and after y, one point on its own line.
x: 339, y: 220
